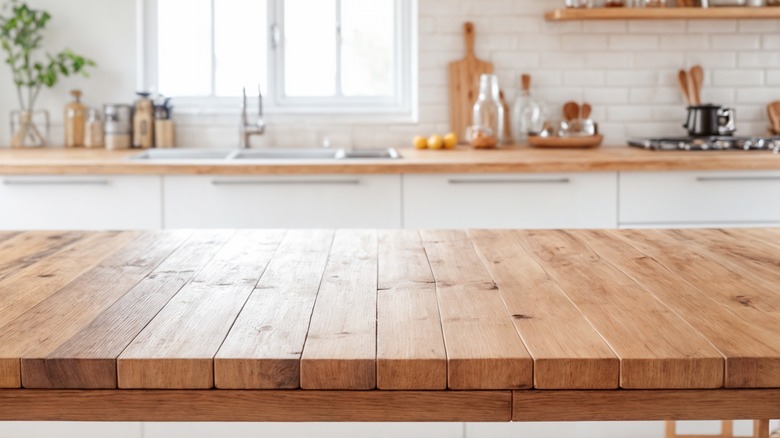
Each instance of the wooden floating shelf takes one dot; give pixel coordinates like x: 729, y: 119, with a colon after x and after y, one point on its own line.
x: 663, y: 13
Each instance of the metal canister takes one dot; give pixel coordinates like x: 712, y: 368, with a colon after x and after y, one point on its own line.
x: 118, y: 126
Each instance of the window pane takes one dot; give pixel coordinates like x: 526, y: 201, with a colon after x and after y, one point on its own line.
x: 240, y: 41
x: 310, y: 47
x: 184, y: 47
x: 367, y: 50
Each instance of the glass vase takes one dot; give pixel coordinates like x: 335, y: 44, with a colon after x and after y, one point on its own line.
x: 29, y: 128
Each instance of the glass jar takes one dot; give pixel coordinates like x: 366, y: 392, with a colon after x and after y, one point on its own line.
x: 579, y: 3
x: 489, y: 110
x: 528, y: 114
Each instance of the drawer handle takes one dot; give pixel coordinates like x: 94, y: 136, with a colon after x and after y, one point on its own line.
x: 51, y: 182
x: 512, y: 181
x: 705, y: 179
x: 351, y: 182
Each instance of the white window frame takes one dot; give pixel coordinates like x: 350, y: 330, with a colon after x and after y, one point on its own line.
x: 401, y: 107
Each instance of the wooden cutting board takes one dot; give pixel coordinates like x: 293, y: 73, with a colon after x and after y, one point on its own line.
x: 464, y: 84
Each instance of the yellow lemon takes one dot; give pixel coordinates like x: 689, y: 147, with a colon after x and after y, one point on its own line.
x: 420, y: 142
x: 450, y: 141
x: 435, y: 142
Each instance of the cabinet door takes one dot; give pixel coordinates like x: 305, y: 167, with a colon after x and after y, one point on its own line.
x: 699, y: 199
x: 331, y: 201
x: 535, y: 201
x: 80, y: 202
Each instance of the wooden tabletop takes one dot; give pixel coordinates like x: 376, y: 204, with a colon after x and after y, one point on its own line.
x: 60, y: 161
x: 390, y: 310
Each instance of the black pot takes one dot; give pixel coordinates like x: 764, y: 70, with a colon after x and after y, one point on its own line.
x: 710, y: 120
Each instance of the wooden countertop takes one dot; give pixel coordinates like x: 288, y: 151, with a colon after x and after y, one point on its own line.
x: 509, y: 160
x: 405, y: 317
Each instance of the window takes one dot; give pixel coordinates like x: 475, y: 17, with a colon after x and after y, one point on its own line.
x: 312, y: 56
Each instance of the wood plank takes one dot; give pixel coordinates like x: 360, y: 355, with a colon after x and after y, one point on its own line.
x: 29, y: 286
x: 263, y: 349
x: 646, y: 405
x: 484, y: 351
x: 744, y: 335
x: 340, y: 350
x: 39, y: 299
x: 88, y: 359
x: 254, y: 406
x: 681, y: 13
x: 509, y: 159
x: 657, y: 349
x: 176, y: 349
x: 20, y: 250
x: 410, y: 343
x: 568, y: 352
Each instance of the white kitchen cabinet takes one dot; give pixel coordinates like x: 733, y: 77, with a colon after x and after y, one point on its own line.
x: 303, y: 430
x: 699, y: 199
x: 31, y: 429
x: 639, y: 429
x: 530, y: 201
x: 328, y: 201
x: 80, y: 202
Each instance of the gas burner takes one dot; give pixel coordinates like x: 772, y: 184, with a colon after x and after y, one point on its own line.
x: 709, y: 144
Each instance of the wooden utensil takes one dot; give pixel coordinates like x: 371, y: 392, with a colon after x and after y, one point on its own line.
x: 587, y: 109
x: 773, y: 109
x: 571, y: 111
x: 464, y: 84
x: 697, y: 82
x: 682, y: 78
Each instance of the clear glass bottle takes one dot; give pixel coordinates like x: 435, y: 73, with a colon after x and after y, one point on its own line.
x: 528, y: 114
x: 489, y: 113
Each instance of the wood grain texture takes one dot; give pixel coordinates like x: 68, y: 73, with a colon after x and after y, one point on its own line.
x: 512, y: 159
x: 657, y: 349
x: 340, y: 349
x: 682, y: 13
x: 568, y: 352
x: 646, y: 405
x: 255, y: 406
x: 484, y: 350
x: 20, y: 250
x: 744, y: 335
x: 54, y: 320
x: 464, y: 84
x: 88, y: 359
x: 263, y: 349
x: 410, y: 343
x: 27, y: 287
x: 176, y: 349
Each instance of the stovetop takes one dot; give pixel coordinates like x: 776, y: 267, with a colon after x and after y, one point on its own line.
x: 709, y: 144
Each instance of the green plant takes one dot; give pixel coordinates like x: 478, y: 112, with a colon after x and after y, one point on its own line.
x: 21, y: 34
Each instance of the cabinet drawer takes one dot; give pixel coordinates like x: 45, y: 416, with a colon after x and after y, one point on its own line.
x: 699, y: 198
x: 329, y: 201
x: 535, y: 201
x: 80, y: 202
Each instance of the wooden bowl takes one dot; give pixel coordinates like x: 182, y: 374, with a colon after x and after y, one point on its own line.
x: 583, y: 142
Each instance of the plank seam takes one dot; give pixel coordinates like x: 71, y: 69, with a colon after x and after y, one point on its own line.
x: 249, y: 295
x: 438, y: 309
x: 186, y: 283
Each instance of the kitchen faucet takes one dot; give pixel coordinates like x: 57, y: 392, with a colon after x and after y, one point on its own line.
x: 247, y: 130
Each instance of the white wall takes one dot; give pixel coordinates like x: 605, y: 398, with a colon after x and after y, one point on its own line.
x: 625, y: 69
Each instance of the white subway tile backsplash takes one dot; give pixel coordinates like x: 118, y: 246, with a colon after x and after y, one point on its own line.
x: 712, y: 26
x: 633, y: 42
x: 626, y: 69
x: 736, y: 42
x: 583, y: 77
x: 743, y: 78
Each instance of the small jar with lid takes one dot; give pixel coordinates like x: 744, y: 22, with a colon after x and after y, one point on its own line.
x: 93, y: 133
x: 488, y: 129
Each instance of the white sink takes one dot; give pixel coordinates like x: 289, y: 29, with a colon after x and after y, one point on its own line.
x: 184, y: 154
x: 265, y: 154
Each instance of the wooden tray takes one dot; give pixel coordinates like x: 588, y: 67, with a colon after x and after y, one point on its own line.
x: 592, y: 141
